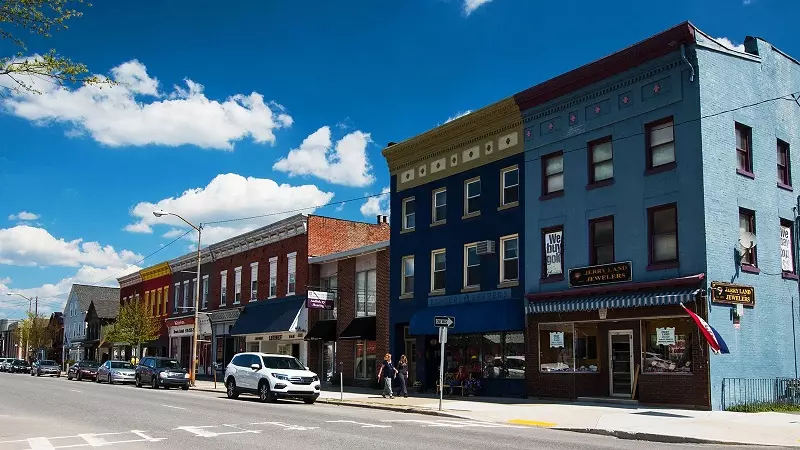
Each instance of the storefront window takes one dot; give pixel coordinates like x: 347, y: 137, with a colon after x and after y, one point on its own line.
x: 667, y: 345
x: 567, y: 347
x: 490, y: 355
x: 365, y: 362
x: 586, y: 351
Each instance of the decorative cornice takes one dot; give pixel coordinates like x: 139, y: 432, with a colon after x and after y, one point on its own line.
x: 189, y: 260
x: 278, y: 231
x: 159, y: 270
x: 130, y: 280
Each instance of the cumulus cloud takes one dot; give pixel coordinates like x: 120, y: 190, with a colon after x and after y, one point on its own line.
x: 137, y: 112
x: 25, y: 245
x: 345, y: 163
x: 23, y: 215
x: 229, y: 196
x: 471, y: 5
x: 378, y: 205
x: 729, y: 44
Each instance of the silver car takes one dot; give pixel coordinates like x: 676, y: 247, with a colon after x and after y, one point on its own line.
x: 116, y: 372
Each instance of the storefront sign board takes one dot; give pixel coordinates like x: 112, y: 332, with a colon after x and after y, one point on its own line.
x: 665, y: 336
x: 733, y: 294
x: 619, y: 272
x: 553, y: 252
x: 319, y: 300
x: 181, y: 331
x: 556, y: 339
x: 787, y: 262
x: 286, y: 336
x: 470, y: 297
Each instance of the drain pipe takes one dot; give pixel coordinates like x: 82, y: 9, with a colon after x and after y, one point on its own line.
x: 683, y: 55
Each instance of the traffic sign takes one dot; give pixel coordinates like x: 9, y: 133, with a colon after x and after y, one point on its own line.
x: 444, y: 321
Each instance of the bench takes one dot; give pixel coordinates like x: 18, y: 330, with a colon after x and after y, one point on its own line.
x: 447, y: 378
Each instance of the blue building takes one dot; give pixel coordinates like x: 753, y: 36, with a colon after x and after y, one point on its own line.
x: 656, y: 178
x: 457, y: 196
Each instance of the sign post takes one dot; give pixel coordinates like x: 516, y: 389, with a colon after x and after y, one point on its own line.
x: 443, y: 322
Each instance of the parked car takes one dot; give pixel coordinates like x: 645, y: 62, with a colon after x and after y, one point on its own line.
x: 116, y: 372
x: 18, y: 366
x: 270, y: 377
x: 46, y: 367
x: 3, y: 362
x: 157, y: 371
x: 82, y: 370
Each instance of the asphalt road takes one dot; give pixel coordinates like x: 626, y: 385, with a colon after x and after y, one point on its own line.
x: 47, y: 413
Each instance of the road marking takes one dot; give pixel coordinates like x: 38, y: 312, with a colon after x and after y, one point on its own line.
x: 173, y: 407
x: 40, y: 443
x: 286, y: 426
x: 142, y: 435
x: 363, y: 425
x: 203, y: 432
x: 75, y: 390
x: 532, y: 423
x: 427, y: 423
x: 93, y: 439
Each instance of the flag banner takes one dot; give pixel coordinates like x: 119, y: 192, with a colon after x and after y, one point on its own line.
x: 714, y: 339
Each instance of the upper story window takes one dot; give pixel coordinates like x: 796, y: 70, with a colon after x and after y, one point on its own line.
x: 747, y: 224
x: 660, y: 142
x: 601, y: 160
x: 509, y: 186
x: 439, y: 210
x: 784, y: 166
x: 223, y: 289
x: 186, y: 290
x: 237, y: 285
x: 602, y: 240
x: 205, y: 292
x: 553, y: 170
x: 472, y: 266
x: 366, y: 293
x: 176, y: 300
x: 744, y: 148
x: 409, y: 214
x: 273, y: 276
x: 254, y: 281
x: 509, y: 258
x: 166, y: 300
x: 472, y: 196
x: 553, y: 252
x: 663, y: 231
x: 407, y: 286
x: 331, y: 286
x: 787, y: 247
x: 438, y: 266
x: 292, y: 266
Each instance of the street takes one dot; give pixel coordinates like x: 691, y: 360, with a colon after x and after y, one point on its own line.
x: 47, y: 413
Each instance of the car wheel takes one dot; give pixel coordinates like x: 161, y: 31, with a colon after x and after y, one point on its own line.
x: 154, y: 383
x: 79, y: 377
x: 137, y: 382
x: 264, y: 393
x: 58, y: 375
x: 185, y: 387
x: 110, y: 380
x: 230, y: 390
x: 69, y: 376
x: 309, y: 401
x: 38, y: 374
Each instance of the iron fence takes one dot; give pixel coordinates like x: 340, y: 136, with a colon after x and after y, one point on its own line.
x: 753, y: 393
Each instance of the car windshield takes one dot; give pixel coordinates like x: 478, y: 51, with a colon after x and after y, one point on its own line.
x: 121, y: 365
x: 168, y: 364
x: 19, y: 361
x: 278, y: 362
x: 89, y: 364
x: 47, y: 362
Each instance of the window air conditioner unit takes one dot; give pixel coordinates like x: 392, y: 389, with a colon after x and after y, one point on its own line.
x: 486, y: 248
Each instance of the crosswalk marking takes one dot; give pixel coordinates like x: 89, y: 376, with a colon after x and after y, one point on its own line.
x: 93, y: 440
x: 363, y: 425
x: 286, y: 426
x: 142, y: 435
x: 40, y: 443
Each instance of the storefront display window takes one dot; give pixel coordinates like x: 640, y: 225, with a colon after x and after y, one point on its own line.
x: 567, y: 347
x: 667, y: 346
x: 491, y: 355
x: 586, y: 351
x: 365, y: 362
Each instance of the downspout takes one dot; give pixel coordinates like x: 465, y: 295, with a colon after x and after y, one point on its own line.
x: 683, y: 56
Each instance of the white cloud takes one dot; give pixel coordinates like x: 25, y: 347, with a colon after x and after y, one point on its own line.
x: 344, y: 164
x: 230, y: 196
x: 378, y: 205
x: 118, y: 115
x: 173, y: 233
x: 458, y: 114
x: 23, y: 215
x: 729, y: 44
x: 747, y: 2
x: 472, y: 5
x: 5, y: 280
x: 24, y: 245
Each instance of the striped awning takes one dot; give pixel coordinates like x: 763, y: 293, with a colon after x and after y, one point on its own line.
x: 632, y: 300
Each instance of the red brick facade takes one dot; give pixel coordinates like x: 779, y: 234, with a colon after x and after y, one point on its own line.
x: 328, y: 235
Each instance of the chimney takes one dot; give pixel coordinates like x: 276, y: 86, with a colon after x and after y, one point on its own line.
x: 380, y: 219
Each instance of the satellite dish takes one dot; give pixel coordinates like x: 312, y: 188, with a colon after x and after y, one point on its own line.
x: 747, y: 242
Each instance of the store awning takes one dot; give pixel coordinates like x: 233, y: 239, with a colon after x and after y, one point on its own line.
x: 324, y: 330
x: 360, y: 328
x: 631, y: 300
x: 483, y: 317
x: 269, y: 316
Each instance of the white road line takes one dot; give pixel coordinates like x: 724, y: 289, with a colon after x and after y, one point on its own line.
x: 173, y: 407
x: 40, y: 443
x: 202, y: 432
x: 75, y: 390
x: 93, y: 439
x: 363, y: 425
x: 286, y: 426
x: 142, y: 434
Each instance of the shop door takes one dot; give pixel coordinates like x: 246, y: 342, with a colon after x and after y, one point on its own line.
x: 411, y: 355
x: 620, y: 362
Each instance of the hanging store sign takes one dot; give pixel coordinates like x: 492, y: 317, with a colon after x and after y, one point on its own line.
x: 602, y: 274
x: 180, y: 322
x: 287, y: 336
x: 553, y: 247
x: 733, y: 294
x: 665, y: 336
x: 556, y: 339
x: 319, y: 300
x: 181, y: 331
x: 787, y: 261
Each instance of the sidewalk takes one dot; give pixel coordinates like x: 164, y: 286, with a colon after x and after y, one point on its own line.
x: 623, y: 421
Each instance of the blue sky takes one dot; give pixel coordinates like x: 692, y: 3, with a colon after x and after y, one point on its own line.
x: 267, y: 106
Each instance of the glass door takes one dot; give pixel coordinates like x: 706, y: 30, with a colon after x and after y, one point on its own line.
x: 620, y: 362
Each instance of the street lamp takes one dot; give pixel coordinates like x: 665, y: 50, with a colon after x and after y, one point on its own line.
x: 30, y: 301
x: 199, y: 228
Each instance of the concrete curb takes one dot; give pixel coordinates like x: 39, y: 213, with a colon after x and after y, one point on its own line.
x: 651, y: 437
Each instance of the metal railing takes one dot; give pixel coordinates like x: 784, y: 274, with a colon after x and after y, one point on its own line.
x: 750, y: 394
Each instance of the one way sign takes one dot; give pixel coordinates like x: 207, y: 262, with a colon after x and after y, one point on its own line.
x: 444, y: 321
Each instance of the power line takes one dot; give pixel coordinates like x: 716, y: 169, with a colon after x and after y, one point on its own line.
x: 296, y: 210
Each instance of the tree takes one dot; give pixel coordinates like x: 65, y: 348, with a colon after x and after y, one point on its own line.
x: 134, y: 326
x: 40, y: 18
x: 34, y: 332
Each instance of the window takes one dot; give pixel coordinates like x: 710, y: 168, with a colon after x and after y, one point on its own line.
x: 438, y: 265
x: 472, y: 196
x: 254, y: 281
x: 660, y: 142
x: 366, y: 293
x: 330, y: 285
x: 158, y: 303
x: 489, y: 355
x: 365, y: 362
x: 166, y: 300
x: 787, y: 247
x: 147, y: 304
x: 744, y: 150
x: 553, y: 252
x: 472, y: 266
x: 509, y: 184
x: 509, y: 257
x: 237, y: 285
x: 223, y: 290
x: 663, y: 228
x: 292, y: 266
x: 553, y: 169
x: 747, y: 224
x: 409, y: 214
x: 568, y: 347
x: 273, y: 277
x: 177, y: 298
x: 601, y: 160
x: 601, y: 240
x: 784, y: 168
x: 439, y: 203
x: 186, y: 290
x: 673, y: 352
x: 408, y: 275
x: 205, y: 292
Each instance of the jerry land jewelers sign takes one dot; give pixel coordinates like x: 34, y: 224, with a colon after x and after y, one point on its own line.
x: 603, y: 274
x: 732, y: 294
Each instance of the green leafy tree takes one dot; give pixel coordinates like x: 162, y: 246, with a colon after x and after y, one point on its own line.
x: 34, y: 332
x: 41, y: 18
x: 134, y: 326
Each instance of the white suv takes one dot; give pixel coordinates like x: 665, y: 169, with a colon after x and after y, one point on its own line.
x: 270, y: 377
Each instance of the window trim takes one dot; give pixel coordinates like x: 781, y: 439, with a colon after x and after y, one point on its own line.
x: 787, y: 182
x: 659, y: 265
x: 503, y: 239
x: 592, y: 252
x: 403, y: 276
x: 254, y: 271
x: 750, y: 267
x: 433, y: 267
x: 365, y: 312
x: 545, y: 158
x: 290, y: 257
x: 467, y: 212
x: 503, y: 187
x: 748, y: 171
x: 223, y: 288
x: 273, y: 277
x: 205, y: 290
x: 465, y: 267
x: 403, y: 226
x: 237, y: 285
x: 543, y: 277
x: 434, y: 219
x: 648, y: 128
x: 590, y: 146
x: 790, y: 275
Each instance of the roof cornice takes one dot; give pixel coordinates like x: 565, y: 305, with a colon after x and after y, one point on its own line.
x: 159, y: 270
x: 129, y: 280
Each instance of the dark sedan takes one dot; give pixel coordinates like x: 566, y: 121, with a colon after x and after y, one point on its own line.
x: 83, y: 370
x: 164, y: 372
x: 45, y: 367
x: 18, y: 366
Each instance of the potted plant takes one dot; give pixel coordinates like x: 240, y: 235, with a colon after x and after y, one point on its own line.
x: 418, y: 387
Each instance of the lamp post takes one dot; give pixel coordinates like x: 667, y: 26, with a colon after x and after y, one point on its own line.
x: 30, y: 301
x: 199, y: 228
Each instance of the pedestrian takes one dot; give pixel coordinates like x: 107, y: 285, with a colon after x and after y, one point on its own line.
x: 388, y: 372
x: 403, y: 374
